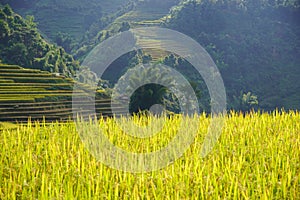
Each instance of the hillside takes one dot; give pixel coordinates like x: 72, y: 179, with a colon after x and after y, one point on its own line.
x: 142, y: 13
x: 43, y: 87
x: 21, y: 44
x: 147, y: 13
x: 72, y: 17
x: 41, y: 95
x: 255, y: 45
x: 24, y: 91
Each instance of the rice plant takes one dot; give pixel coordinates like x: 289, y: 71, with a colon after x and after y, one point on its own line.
x: 256, y: 157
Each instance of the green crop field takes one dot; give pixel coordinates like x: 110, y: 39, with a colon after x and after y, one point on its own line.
x: 21, y: 90
x: 256, y: 157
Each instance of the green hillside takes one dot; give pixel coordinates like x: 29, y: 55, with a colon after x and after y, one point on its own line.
x: 69, y: 16
x: 38, y: 94
x: 147, y: 13
x: 21, y: 44
x: 256, y: 46
x: 139, y: 14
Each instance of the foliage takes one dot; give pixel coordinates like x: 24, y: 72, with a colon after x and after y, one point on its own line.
x: 143, y: 82
x: 255, y: 44
x: 64, y: 40
x: 194, y: 78
x: 22, y: 44
x: 72, y: 17
x: 245, y: 102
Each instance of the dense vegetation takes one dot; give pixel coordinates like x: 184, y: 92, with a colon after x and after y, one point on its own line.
x: 71, y: 17
x: 22, y: 44
x: 255, y: 44
x: 133, y: 14
x: 257, y: 157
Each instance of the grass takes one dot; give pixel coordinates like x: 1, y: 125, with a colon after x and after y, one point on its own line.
x: 256, y: 157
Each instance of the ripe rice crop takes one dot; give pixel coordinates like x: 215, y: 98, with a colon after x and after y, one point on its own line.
x: 256, y: 157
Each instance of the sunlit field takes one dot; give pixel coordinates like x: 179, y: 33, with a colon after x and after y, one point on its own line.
x: 257, y: 157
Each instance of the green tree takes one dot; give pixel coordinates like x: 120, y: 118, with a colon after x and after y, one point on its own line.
x: 7, y: 10
x: 64, y: 40
x: 22, y: 44
x: 124, y: 27
x: 147, y: 93
x: 4, y: 30
x: 17, y: 53
x: 245, y: 102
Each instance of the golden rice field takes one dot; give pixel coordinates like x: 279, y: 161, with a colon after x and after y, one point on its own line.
x: 256, y: 157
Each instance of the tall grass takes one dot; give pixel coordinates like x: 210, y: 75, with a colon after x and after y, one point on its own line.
x: 256, y: 157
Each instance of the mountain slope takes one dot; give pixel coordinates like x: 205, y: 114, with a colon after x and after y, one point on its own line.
x: 140, y: 13
x: 255, y: 45
x: 42, y: 95
x: 72, y: 17
x: 22, y: 44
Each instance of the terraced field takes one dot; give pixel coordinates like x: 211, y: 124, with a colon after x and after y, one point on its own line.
x: 35, y: 94
x: 148, y: 14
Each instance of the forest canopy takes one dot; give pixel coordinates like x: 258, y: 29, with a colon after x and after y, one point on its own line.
x: 22, y: 44
x: 255, y: 44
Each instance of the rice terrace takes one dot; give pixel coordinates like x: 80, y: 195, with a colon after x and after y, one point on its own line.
x: 84, y: 114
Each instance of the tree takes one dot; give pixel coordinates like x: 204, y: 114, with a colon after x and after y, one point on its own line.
x: 4, y: 30
x: 245, y: 102
x: 147, y: 96
x: 64, y: 40
x: 143, y: 80
x: 7, y: 10
x: 21, y: 44
x: 17, y: 54
x: 124, y: 27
